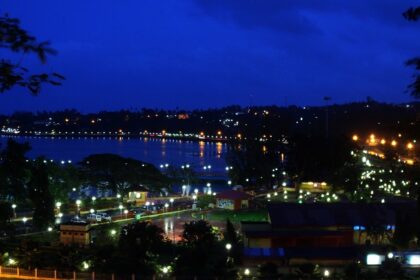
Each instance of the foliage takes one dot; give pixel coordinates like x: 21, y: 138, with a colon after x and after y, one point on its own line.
x: 231, y: 236
x: 405, y: 230
x: 62, y: 179
x: 203, y: 201
x: 268, y: 271
x: 352, y: 271
x: 39, y: 193
x: 252, y: 162
x: 18, y: 40
x: 6, y: 213
x: 316, y: 158
x: 14, y: 173
x: 139, y: 246
x: 110, y: 171
x: 184, y: 175
x: 413, y: 14
x: 308, y: 271
x: 202, y: 256
x: 391, y: 269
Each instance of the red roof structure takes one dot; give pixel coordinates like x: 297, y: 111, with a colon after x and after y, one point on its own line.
x: 233, y: 195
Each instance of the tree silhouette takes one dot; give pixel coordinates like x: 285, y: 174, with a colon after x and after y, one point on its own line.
x: 17, y: 40
x: 413, y: 14
x: 39, y: 193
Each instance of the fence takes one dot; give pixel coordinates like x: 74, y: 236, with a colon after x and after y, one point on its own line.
x: 41, y: 274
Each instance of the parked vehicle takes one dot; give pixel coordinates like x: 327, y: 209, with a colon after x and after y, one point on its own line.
x: 98, y: 218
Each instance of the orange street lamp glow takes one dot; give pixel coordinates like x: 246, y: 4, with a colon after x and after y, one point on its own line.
x: 219, y: 133
x: 372, y: 139
x: 393, y: 143
x: 355, y: 137
x: 410, y: 146
x: 383, y: 141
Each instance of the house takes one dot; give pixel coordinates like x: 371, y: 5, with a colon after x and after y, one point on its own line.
x: 232, y: 199
x: 75, y: 233
x: 320, y: 231
x: 138, y: 195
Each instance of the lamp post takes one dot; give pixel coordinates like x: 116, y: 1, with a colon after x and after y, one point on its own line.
x: 121, y: 207
x: 58, y: 206
x: 24, y: 220
x: 78, y: 203
x: 166, y: 207
x: 147, y: 205
x: 172, y: 202
x: 14, y: 210
x: 228, y: 247
x: 126, y: 213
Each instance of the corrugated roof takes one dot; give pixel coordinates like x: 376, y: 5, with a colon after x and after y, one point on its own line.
x: 330, y: 214
x: 233, y: 195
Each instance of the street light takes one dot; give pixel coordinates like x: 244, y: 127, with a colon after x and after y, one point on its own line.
x: 228, y: 246
x: 93, y: 199
x: 78, y: 202
x: 166, y: 206
x: 121, y: 207
x: 24, y: 220
x: 247, y: 272
x: 14, y: 210
x: 126, y: 213
x: 172, y: 202
x: 393, y: 143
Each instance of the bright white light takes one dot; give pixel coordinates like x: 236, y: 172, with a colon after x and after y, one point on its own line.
x: 374, y: 259
x: 413, y: 259
x: 326, y: 273
x: 228, y: 246
x: 247, y: 271
x: 390, y: 255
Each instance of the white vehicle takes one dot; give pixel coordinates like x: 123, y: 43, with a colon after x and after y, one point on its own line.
x: 98, y: 218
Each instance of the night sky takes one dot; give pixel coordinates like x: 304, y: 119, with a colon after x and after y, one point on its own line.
x: 126, y: 54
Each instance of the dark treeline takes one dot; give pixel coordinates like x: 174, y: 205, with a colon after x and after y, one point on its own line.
x: 269, y: 121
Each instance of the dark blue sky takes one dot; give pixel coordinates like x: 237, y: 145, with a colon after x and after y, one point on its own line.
x: 207, y: 53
